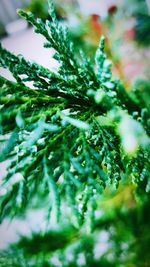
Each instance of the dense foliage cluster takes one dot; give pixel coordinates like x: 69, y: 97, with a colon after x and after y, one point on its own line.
x: 68, y: 134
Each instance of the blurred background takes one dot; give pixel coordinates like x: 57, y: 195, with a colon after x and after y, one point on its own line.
x: 126, y: 24
x: 121, y: 236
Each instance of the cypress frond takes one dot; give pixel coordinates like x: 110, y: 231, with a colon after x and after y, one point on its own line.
x: 75, y: 131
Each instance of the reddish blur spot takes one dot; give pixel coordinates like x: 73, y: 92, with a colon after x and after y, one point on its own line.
x: 129, y: 34
x: 96, y: 23
x: 112, y: 9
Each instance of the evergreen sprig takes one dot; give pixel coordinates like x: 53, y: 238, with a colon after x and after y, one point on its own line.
x: 68, y: 134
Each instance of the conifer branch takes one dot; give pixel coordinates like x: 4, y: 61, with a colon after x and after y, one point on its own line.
x: 74, y: 131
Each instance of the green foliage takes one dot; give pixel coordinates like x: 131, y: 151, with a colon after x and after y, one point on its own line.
x: 117, y: 238
x: 142, y: 29
x: 39, y: 8
x: 76, y: 143
x: 139, y: 9
x: 70, y: 134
